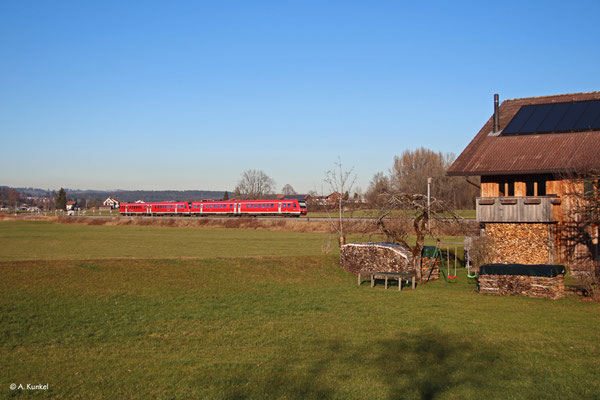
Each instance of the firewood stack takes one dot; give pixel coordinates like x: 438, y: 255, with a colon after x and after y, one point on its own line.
x: 532, y: 286
x: 519, y: 243
x: 542, y: 281
x: 435, y: 271
x: 380, y: 257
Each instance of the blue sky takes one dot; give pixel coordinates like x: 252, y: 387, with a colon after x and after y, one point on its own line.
x: 188, y: 95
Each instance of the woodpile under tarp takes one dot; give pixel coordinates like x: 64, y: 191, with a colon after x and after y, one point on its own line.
x: 380, y: 257
x: 541, y: 281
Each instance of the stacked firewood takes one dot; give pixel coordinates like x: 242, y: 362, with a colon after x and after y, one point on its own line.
x: 379, y: 257
x: 434, y: 274
x: 519, y: 243
x: 532, y: 286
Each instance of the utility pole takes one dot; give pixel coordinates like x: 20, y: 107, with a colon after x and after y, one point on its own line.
x: 429, y: 181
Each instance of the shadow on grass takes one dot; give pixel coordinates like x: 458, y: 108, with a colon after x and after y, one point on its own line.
x: 421, y: 366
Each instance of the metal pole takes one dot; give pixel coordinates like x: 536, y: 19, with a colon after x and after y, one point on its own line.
x: 429, y: 180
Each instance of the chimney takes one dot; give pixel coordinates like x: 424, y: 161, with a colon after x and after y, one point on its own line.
x: 496, y: 115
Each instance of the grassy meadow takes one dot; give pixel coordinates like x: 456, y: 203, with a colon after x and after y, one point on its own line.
x: 155, y: 312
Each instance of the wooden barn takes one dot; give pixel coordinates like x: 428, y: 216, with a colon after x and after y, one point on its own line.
x: 538, y: 159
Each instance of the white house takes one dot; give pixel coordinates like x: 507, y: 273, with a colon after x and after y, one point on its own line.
x: 111, y: 202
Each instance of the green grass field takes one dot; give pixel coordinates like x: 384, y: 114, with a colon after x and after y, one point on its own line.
x: 124, y: 312
x: 467, y: 214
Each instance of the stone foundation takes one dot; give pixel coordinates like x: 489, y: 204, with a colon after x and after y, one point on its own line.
x: 531, y: 286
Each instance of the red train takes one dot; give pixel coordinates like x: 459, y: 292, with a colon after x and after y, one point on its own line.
x: 285, y: 208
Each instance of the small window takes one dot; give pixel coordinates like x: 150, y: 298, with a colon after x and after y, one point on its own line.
x: 529, y: 188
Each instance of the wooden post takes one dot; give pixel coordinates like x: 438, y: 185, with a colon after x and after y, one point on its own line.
x: 372, y: 280
x: 386, y: 282
x: 359, y: 279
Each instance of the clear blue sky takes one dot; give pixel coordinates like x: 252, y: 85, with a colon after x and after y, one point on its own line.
x: 187, y: 95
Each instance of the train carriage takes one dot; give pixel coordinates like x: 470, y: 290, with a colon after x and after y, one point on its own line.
x: 158, y: 209
x: 133, y: 209
x: 256, y: 208
x: 171, y: 208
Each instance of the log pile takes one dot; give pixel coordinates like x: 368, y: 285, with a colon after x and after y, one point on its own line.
x: 519, y: 243
x: 531, y: 286
x: 435, y: 271
x: 380, y: 257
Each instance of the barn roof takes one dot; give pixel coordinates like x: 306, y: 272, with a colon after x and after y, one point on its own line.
x: 530, y: 153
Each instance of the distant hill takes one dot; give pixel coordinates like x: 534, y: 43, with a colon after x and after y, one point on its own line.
x: 128, y: 195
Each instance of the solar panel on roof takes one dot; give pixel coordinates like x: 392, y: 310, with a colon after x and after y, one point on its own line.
x: 539, y: 114
x: 555, y: 118
x: 567, y: 123
x: 596, y: 124
x: 515, y: 124
x: 589, y: 116
x: 556, y: 114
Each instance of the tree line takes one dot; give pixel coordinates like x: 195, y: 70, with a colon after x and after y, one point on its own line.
x: 409, y: 173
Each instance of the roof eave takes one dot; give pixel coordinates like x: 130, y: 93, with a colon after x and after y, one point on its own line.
x: 524, y: 172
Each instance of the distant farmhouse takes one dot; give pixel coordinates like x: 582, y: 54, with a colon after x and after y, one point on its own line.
x: 329, y: 200
x: 299, y: 197
x: 533, y: 156
x: 111, y: 202
x: 71, y: 205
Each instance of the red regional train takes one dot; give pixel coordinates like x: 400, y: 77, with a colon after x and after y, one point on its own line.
x: 237, y: 208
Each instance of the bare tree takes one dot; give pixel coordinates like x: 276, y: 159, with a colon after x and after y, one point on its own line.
x: 397, y: 226
x: 380, y: 184
x: 340, y: 182
x: 254, y: 184
x: 580, y: 232
x: 480, y: 250
x: 411, y: 169
x: 288, y: 189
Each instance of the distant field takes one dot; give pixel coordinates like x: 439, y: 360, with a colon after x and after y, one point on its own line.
x: 373, y: 213
x: 35, y: 240
x: 115, y: 312
x: 470, y: 214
